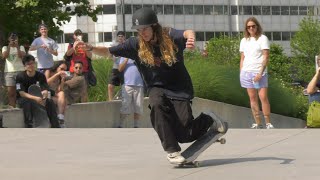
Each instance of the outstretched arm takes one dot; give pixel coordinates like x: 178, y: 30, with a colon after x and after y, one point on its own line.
x: 99, y: 50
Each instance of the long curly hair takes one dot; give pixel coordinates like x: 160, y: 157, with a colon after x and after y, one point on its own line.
x: 167, y: 48
x: 258, y: 26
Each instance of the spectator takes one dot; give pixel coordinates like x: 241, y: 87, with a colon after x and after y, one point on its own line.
x: 12, y: 54
x: 29, y: 103
x: 46, y: 47
x: 57, y: 73
x: 132, y: 92
x: 314, y: 84
x: 75, y: 87
x: 75, y: 53
x: 116, y: 76
x: 254, y: 49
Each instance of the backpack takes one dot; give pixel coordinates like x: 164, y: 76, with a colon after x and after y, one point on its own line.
x: 313, y: 117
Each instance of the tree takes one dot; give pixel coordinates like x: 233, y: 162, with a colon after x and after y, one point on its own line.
x: 224, y: 50
x: 24, y: 16
x: 305, y: 46
x: 279, y: 64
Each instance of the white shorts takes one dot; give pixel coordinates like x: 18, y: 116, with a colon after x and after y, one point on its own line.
x: 132, y: 100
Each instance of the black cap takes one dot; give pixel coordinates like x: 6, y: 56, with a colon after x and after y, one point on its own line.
x: 77, y: 32
x: 143, y: 17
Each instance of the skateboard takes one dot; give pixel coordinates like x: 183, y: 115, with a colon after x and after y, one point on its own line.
x: 40, y: 115
x: 200, y: 145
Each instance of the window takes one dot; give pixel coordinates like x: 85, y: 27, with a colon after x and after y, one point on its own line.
x: 303, y: 10
x: 158, y: 9
x: 256, y: 10
x: 129, y: 34
x: 218, y: 10
x: 285, y: 36
x: 208, y: 9
x: 188, y: 9
x: 209, y: 35
x: 285, y: 10
x: 198, y: 9
x: 247, y: 10
x: 178, y: 9
x: 269, y: 35
x: 276, y: 36
x: 68, y: 38
x: 168, y: 9
x: 294, y: 10
x: 292, y: 34
x: 226, y: 10
x: 200, y: 36
x: 234, y: 10
x: 275, y: 10
x: 127, y: 9
x: 266, y: 10
x: 109, y: 9
x: 235, y: 33
x: 107, y: 36
x: 136, y: 7
x: 218, y: 34
x: 59, y: 39
x: 119, y: 9
x: 311, y: 11
x: 148, y: 6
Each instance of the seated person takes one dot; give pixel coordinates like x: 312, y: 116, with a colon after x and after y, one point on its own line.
x: 29, y: 103
x: 57, y: 72
x: 313, y: 87
x: 76, y: 86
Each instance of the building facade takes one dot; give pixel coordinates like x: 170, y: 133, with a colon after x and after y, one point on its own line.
x: 208, y: 18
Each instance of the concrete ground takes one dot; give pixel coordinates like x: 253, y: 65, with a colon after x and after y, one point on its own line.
x: 107, y: 154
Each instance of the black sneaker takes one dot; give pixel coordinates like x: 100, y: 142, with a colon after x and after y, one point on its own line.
x: 217, y: 125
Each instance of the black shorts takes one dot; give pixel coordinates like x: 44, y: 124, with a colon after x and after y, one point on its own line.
x: 116, y: 77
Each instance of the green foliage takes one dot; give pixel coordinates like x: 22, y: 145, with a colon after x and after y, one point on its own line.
x: 102, y: 68
x: 221, y: 83
x: 224, y: 50
x: 23, y: 16
x: 305, y: 46
x: 279, y: 64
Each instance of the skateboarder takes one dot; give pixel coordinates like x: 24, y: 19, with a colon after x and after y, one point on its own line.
x: 158, y: 53
x: 30, y: 103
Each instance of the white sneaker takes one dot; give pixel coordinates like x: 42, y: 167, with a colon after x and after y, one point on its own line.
x: 256, y: 126
x: 269, y: 126
x: 175, y: 158
x: 217, y: 125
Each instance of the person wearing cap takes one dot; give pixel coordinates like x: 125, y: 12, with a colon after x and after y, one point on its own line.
x: 158, y: 54
x: 79, y: 54
x: 12, y: 54
x: 46, y: 47
x: 116, y: 76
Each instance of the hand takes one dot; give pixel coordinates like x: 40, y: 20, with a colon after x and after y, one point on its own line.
x: 40, y: 101
x: 257, y: 78
x: 190, y: 43
x: 87, y: 47
x: 62, y: 74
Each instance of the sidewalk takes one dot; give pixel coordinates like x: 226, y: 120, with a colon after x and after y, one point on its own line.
x: 116, y: 154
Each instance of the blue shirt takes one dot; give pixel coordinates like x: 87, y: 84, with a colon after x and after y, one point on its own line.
x: 131, y: 74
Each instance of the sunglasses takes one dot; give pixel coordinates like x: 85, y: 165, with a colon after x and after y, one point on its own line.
x: 253, y: 26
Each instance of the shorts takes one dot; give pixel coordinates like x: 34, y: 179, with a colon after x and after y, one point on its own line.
x: 10, y: 78
x: 132, y: 100
x: 246, y: 79
x: 115, y: 78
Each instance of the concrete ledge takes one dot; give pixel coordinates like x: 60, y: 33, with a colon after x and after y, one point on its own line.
x: 106, y: 115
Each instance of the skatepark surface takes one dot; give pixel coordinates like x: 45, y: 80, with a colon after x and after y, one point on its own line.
x: 129, y: 154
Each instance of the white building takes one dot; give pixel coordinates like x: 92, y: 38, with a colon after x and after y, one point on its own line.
x: 208, y: 18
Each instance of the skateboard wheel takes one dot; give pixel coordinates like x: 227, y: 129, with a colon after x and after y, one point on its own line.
x: 196, y: 164
x: 222, y: 141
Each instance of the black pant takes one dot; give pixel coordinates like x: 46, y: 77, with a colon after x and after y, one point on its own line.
x: 172, y: 119
x: 30, y: 107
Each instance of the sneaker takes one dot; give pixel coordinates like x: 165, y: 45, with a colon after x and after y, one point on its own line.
x: 256, y: 126
x: 175, y: 158
x: 217, y: 125
x: 62, y: 124
x: 269, y: 126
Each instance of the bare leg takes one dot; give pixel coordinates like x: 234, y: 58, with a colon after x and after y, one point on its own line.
x: 253, y: 96
x: 263, y: 95
x: 110, y: 92
x: 136, y: 119
x: 12, y: 95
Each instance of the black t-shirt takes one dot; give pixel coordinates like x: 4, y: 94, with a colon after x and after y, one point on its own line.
x: 174, y: 79
x: 23, y: 81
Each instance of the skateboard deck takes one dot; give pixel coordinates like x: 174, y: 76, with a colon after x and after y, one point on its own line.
x: 40, y: 117
x: 200, y: 145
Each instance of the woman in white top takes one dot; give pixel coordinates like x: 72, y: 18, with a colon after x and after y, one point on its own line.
x: 254, y: 49
x: 12, y: 54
